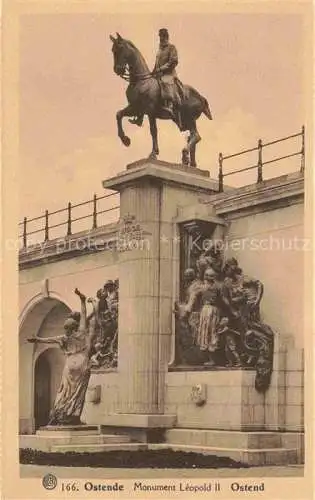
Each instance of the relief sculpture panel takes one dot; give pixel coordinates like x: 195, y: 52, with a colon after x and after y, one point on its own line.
x: 218, y: 320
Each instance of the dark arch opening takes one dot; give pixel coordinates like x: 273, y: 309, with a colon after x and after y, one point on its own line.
x: 38, y: 370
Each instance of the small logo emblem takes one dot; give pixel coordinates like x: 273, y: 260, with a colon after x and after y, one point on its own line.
x: 49, y: 482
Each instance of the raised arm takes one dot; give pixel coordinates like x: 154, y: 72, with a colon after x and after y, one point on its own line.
x: 83, y: 318
x: 48, y: 340
x: 95, y: 306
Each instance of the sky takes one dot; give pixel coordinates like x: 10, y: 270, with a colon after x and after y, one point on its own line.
x: 249, y: 66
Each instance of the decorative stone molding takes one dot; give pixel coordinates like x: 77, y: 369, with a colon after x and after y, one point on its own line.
x: 93, y: 394
x: 279, y: 192
x: 83, y: 243
x: 45, y: 288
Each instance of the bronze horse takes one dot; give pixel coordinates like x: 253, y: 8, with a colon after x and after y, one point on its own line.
x: 144, y: 98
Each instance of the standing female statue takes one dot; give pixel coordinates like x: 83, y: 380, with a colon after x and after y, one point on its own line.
x: 209, y: 295
x: 76, y: 344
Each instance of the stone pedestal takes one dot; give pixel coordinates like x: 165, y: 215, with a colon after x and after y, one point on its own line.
x: 151, y: 193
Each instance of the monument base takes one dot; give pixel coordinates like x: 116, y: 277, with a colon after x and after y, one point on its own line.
x: 77, y: 438
x: 251, y: 448
x: 248, y: 448
x: 160, y: 163
x: 168, y: 173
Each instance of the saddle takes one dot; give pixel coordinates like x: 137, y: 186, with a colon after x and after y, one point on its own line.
x: 179, y: 97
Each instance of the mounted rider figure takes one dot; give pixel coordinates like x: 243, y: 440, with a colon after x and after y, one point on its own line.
x: 164, y: 70
x: 171, y: 88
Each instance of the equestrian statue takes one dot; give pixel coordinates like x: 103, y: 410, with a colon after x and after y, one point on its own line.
x: 158, y: 94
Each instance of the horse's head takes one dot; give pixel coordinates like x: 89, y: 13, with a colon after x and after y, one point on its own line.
x: 122, y: 52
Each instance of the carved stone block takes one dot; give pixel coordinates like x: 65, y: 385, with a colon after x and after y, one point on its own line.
x: 199, y: 394
x: 93, y: 394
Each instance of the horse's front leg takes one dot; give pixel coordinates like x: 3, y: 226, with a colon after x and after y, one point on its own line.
x: 127, y: 111
x: 154, y: 135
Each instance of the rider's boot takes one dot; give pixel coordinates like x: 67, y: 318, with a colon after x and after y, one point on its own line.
x: 169, y: 108
x: 174, y: 113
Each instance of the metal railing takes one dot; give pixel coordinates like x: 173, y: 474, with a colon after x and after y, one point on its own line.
x: 260, y: 163
x: 47, y: 226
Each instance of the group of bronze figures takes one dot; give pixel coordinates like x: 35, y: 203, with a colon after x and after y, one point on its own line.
x: 105, y: 312
x: 89, y: 341
x: 218, y: 320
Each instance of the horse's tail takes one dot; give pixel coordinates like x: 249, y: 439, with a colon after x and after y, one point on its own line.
x: 206, y: 110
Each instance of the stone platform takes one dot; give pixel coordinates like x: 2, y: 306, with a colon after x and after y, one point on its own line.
x: 160, y: 163
x: 157, y: 171
x: 251, y: 448
x: 77, y: 438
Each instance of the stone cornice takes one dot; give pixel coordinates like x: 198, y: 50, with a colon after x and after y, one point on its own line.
x: 83, y: 243
x: 191, y: 178
x: 274, y: 193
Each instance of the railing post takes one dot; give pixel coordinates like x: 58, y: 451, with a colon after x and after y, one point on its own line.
x: 303, y: 150
x: 24, y: 232
x: 94, y: 212
x: 46, y: 226
x: 260, y: 163
x: 220, y: 173
x: 69, y: 220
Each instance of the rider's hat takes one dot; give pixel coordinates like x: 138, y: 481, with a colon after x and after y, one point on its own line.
x: 163, y: 31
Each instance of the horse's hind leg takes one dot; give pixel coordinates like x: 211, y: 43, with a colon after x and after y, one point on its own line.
x: 194, y: 138
x: 127, y: 111
x: 185, y: 154
x: 193, y: 156
x: 153, y: 130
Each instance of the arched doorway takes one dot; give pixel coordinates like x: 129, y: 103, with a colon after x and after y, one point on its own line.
x: 40, y: 365
x: 47, y: 375
x: 42, y: 391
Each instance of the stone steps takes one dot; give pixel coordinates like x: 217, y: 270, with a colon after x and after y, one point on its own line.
x: 250, y: 448
x: 84, y: 439
x: 253, y: 457
x: 96, y: 448
x: 47, y: 439
x: 68, y: 431
x: 225, y: 439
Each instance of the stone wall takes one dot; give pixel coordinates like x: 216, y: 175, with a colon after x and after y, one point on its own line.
x: 232, y: 403
x: 265, y: 247
x: 87, y: 272
x: 102, y: 396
